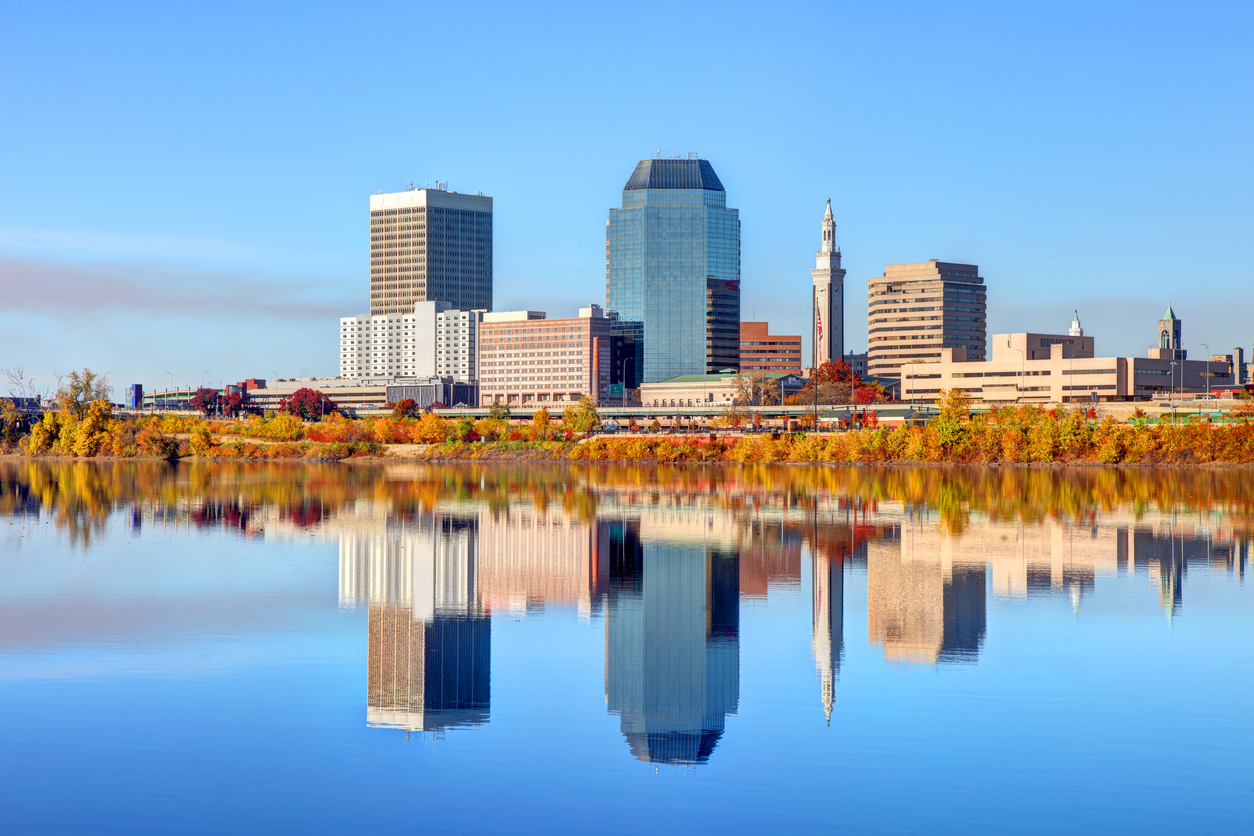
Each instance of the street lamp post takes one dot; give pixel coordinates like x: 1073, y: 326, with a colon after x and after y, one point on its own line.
x: 202, y: 379
x: 622, y: 375
x: 1072, y: 381
x: 165, y: 402
x: 1205, y: 346
x: 1022, y: 370
x: 1171, y: 392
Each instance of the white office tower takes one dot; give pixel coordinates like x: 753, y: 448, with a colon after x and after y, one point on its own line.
x: 1076, y: 330
x: 828, y: 323
x: 430, y: 245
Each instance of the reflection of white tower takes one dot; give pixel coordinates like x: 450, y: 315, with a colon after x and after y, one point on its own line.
x: 429, y: 642
x: 672, y: 650
x: 827, y: 325
x: 828, y: 645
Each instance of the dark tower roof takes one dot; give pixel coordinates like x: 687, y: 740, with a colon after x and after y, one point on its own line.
x: 674, y: 174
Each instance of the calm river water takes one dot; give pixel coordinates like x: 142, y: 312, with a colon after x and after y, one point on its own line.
x: 326, y: 648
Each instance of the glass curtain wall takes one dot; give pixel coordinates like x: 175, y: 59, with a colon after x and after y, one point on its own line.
x: 673, y: 264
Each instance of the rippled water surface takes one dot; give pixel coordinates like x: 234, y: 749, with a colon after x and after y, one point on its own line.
x: 327, y: 648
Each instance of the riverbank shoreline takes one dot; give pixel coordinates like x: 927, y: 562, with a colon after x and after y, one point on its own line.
x: 372, y: 460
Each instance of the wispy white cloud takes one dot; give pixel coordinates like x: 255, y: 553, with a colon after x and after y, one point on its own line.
x: 52, y: 286
x: 98, y: 246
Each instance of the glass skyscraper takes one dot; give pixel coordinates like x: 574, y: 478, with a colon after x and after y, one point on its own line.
x: 672, y: 262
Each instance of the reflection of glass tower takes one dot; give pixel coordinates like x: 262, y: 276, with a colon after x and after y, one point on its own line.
x: 672, y: 646
x: 429, y: 651
x: 829, y: 612
x: 672, y: 262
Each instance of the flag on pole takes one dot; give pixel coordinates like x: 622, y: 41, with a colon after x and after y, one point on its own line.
x: 818, y: 322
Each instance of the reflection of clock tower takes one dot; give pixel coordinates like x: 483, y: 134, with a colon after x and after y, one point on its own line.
x: 827, y: 326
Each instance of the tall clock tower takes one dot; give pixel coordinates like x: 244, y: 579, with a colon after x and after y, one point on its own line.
x: 828, y: 323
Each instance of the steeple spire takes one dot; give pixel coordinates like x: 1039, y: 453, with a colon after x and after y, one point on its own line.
x: 829, y: 231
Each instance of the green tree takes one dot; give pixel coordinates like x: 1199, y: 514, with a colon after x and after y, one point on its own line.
x: 498, y: 412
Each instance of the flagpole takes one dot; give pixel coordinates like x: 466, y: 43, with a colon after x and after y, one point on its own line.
x: 814, y: 371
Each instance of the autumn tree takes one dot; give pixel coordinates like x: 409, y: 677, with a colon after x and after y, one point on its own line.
x: 12, y: 422
x: 755, y: 389
x: 836, y: 383
x: 307, y: 404
x: 406, y: 408
x: 233, y: 403
x: 498, y: 411
x: 77, y: 390
x: 952, y: 430
x: 583, y: 416
x: 205, y: 400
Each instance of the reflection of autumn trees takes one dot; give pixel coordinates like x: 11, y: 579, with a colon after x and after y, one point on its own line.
x: 80, y: 495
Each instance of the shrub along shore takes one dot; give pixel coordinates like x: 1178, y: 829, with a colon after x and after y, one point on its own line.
x: 1020, y: 435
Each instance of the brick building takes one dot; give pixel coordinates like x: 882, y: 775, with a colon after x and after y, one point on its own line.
x: 761, y: 351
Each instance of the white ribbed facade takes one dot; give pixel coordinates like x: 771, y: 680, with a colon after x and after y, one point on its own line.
x: 433, y: 340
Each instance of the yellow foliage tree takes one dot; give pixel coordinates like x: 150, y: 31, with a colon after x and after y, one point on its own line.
x: 431, y: 429
x: 93, y: 430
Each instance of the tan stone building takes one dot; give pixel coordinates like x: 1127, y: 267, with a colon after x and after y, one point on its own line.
x: 708, y: 389
x: 1058, y: 368
x: 914, y: 311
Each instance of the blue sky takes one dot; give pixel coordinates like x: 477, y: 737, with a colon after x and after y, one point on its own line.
x: 184, y: 190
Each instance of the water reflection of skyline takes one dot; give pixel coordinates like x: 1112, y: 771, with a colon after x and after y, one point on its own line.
x: 672, y: 644
x: 429, y: 653
x: 666, y: 568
